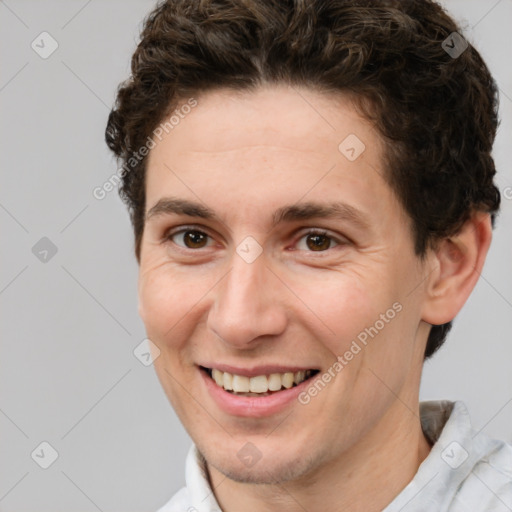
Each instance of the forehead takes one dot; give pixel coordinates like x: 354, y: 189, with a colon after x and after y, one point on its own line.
x: 259, y: 149
x: 298, y: 118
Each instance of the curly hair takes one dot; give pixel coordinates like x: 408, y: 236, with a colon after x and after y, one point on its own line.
x: 436, y: 112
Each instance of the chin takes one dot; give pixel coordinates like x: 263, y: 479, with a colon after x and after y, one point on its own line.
x: 268, y: 470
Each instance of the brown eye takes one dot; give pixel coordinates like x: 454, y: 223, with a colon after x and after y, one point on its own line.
x: 189, y: 238
x: 195, y: 239
x: 317, y: 241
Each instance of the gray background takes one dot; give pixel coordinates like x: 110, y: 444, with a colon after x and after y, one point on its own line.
x: 68, y: 374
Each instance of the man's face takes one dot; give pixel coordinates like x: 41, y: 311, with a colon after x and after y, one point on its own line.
x: 266, y: 286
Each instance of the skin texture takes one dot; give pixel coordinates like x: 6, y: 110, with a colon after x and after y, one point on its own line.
x: 357, y: 443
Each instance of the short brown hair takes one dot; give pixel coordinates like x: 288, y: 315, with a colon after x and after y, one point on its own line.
x: 436, y: 112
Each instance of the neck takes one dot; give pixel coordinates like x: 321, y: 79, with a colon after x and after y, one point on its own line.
x: 366, y: 477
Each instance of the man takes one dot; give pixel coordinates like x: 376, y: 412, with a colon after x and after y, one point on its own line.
x: 311, y: 190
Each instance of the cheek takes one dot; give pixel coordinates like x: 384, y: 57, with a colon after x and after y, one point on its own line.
x: 361, y: 317
x: 340, y: 305
x: 168, y: 304
x: 165, y: 300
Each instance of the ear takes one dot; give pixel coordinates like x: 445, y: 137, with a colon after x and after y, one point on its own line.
x: 457, y: 263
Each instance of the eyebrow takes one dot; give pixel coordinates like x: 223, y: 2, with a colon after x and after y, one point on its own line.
x: 289, y: 213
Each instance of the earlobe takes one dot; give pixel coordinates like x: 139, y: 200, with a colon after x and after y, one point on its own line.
x: 457, y: 263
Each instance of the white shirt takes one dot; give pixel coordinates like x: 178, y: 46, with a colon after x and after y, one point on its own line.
x: 465, y: 471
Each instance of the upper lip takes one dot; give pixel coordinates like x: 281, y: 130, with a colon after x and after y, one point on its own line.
x: 256, y: 370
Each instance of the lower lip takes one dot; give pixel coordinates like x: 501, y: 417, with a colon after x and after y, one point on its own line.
x: 252, y: 407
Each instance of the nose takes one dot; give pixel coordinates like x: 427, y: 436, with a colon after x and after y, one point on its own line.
x: 248, y: 304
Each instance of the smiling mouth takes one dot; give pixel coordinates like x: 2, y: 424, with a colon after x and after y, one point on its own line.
x: 260, y: 385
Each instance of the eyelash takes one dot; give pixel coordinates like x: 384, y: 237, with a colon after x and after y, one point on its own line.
x: 313, y: 231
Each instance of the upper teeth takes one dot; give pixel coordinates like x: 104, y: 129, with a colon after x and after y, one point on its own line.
x: 260, y: 383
